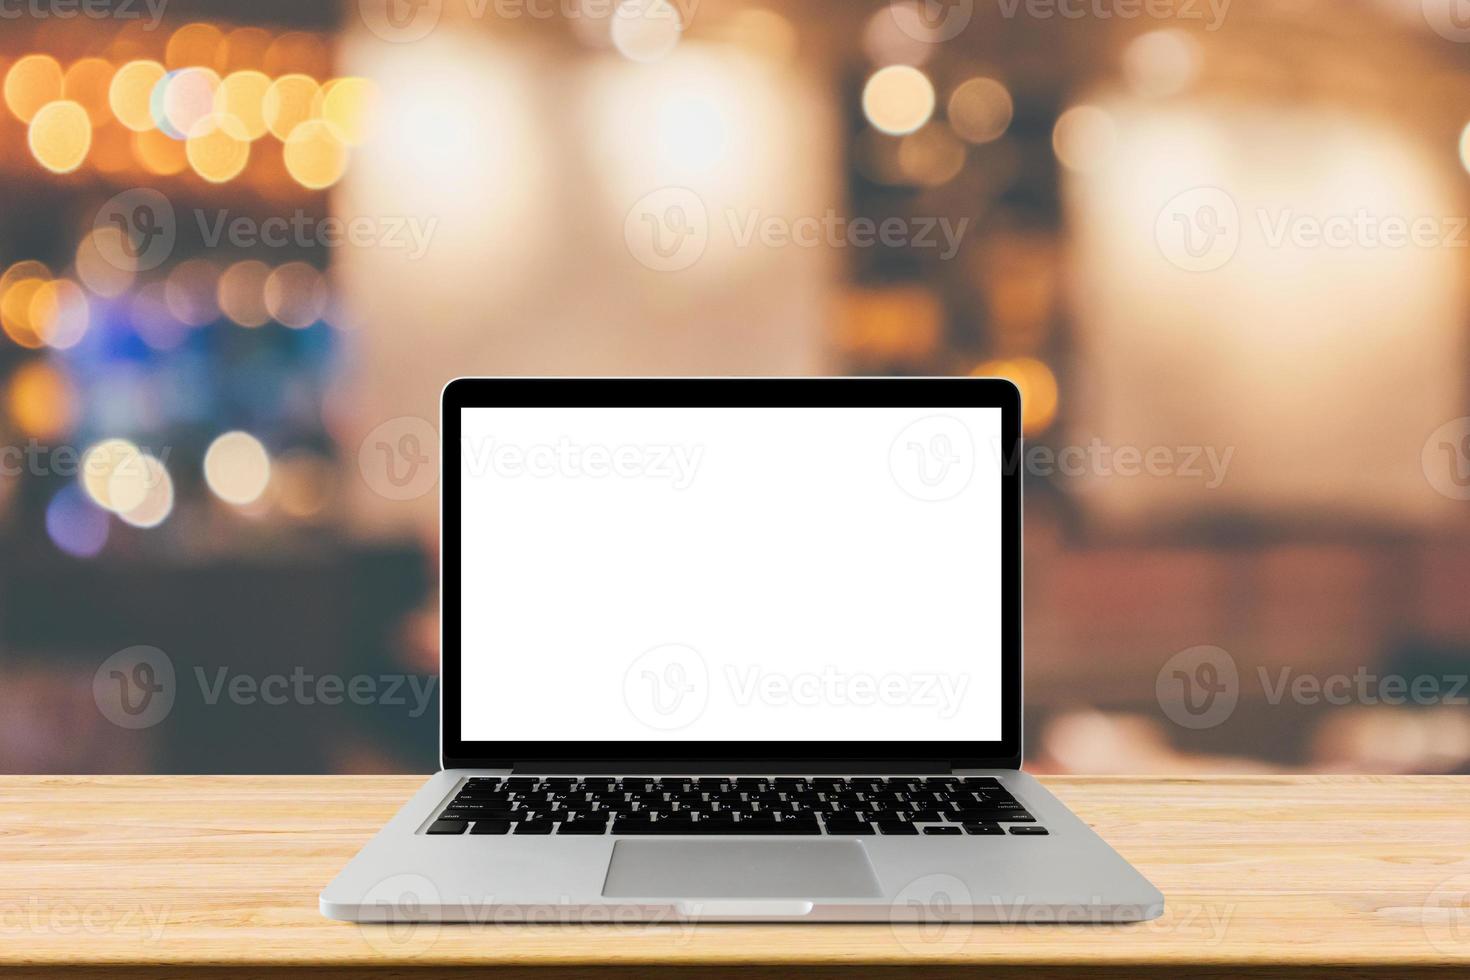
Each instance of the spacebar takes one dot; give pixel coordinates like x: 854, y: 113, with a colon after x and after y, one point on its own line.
x: 793, y: 829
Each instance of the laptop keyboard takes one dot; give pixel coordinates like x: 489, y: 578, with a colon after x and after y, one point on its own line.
x: 715, y: 806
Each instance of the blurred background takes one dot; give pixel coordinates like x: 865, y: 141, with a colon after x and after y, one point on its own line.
x: 1220, y: 247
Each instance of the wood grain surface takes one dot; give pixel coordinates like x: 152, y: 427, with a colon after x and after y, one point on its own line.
x: 218, y: 876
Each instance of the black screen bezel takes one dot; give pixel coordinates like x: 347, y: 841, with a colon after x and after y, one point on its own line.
x: 926, y: 393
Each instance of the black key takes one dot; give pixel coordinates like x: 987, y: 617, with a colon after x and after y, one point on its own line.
x: 491, y: 827
x: 981, y: 782
x: 518, y: 784
x: 447, y: 827
x: 849, y: 827
x: 583, y: 827
x: 703, y: 829
x: 984, y: 829
x: 945, y: 831
x: 1016, y: 817
x: 991, y: 816
x: 478, y: 813
x: 927, y: 816
x: 535, y: 827
x: 1029, y: 831
x: 895, y: 828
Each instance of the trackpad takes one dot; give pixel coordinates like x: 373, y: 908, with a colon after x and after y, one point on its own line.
x: 740, y: 869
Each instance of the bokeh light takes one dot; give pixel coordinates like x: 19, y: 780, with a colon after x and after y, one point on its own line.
x: 32, y: 82
x: 60, y: 134
x: 182, y: 98
x: 159, y: 153
x: 315, y: 155
x: 296, y: 295
x: 41, y: 401
x: 347, y: 105
x: 86, y: 83
x: 288, y: 103
x: 980, y: 110
x: 646, y: 30
x: 931, y: 156
x: 1161, y: 63
x: 95, y: 270
x: 899, y: 33
x: 143, y: 494
x: 16, y: 294
x: 60, y: 313
x: 153, y: 321
x: 242, y: 95
x: 898, y: 99
x: 131, y: 92
x: 101, y: 461
x: 74, y: 524
x: 301, y: 483
x: 237, y: 468
x: 1038, y: 386
x: 218, y: 148
x: 1084, y: 138
x: 242, y: 293
x: 245, y: 49
x: 190, y: 292
x: 196, y: 44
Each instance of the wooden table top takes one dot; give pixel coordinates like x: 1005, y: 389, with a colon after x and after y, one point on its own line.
x: 219, y: 875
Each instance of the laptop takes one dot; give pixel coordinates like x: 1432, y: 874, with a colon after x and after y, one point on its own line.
x: 733, y: 649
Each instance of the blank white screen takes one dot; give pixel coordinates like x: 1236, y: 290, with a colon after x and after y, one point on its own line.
x: 751, y: 574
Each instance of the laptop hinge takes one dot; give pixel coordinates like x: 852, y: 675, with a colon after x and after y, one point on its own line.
x: 733, y: 767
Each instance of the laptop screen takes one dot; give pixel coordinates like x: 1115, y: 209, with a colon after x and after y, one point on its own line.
x: 730, y: 574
